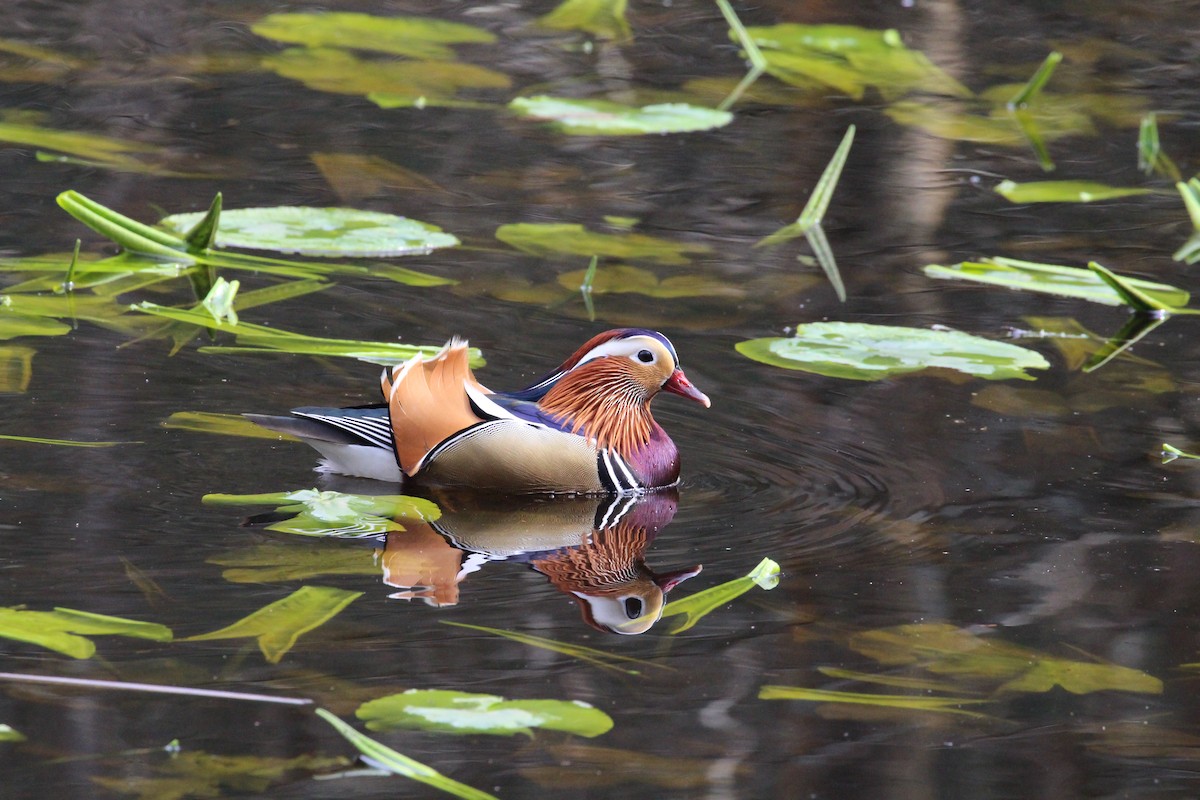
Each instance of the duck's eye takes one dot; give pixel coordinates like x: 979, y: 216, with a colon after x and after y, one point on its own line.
x: 633, y: 607
x: 645, y: 356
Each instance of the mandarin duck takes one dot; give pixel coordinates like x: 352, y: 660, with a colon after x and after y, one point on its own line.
x: 594, y: 554
x: 584, y: 428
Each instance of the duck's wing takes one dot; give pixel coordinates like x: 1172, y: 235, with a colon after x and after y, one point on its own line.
x: 354, y: 441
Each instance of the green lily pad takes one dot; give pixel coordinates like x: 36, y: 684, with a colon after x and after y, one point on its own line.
x: 65, y: 630
x: 865, y: 352
x: 415, y: 37
x: 850, y: 59
x: 344, y: 232
x: 545, y: 239
x: 1064, y: 191
x: 466, y: 712
x: 604, y: 118
x: 278, y: 625
x: 387, y: 83
x: 324, y: 513
x: 1031, y: 276
x: 603, y: 18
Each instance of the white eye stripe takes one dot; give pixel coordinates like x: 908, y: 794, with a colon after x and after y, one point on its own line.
x: 629, y: 347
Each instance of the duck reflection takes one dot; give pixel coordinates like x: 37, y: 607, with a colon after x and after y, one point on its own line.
x: 593, y: 551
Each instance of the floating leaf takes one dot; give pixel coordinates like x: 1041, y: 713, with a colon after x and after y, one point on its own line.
x: 861, y: 351
x: 1053, y: 279
x: 603, y: 18
x: 948, y: 121
x: 345, y: 232
x: 605, y: 118
x: 199, y: 774
x: 946, y: 705
x: 546, y: 239
x: 60, y: 442
x: 64, y: 630
x: 277, y: 626
x: 384, y: 757
x: 897, y: 681
x: 324, y: 513
x: 850, y: 59
x: 948, y: 650
x: 591, y: 655
x: 10, y: 734
x: 389, y: 84
x: 466, y: 712
x: 224, y: 424
x: 415, y: 37
x: 1133, y: 295
x: 1064, y: 191
x: 696, y: 606
x: 260, y: 338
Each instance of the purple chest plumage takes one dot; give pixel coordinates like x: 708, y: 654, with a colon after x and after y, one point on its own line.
x: 656, y: 463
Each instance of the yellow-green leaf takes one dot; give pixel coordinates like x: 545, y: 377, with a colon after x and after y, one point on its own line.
x: 277, y: 626
x: 696, y: 606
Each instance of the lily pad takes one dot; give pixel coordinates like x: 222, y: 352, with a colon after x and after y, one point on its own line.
x: 1064, y: 191
x: 64, y: 630
x: 278, y: 625
x: 866, y: 352
x: 1031, y: 276
x: 415, y: 37
x: 345, y: 232
x: 544, y: 239
x: 604, y: 118
x: 467, y: 712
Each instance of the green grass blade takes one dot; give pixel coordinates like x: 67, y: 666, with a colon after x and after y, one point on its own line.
x: 60, y: 442
x: 1151, y: 157
x: 1170, y: 453
x: 585, y: 288
x: 1130, y: 294
x: 820, y: 246
x: 757, y: 60
x: 1033, y: 135
x: 1040, y: 78
x: 384, y: 757
x: 945, y: 705
x: 1190, y: 192
x: 597, y: 658
x: 202, y: 235
x: 818, y: 203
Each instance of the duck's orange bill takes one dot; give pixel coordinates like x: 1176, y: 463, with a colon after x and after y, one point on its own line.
x: 680, y: 385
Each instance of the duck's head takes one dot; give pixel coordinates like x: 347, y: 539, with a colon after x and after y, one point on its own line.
x: 635, y: 357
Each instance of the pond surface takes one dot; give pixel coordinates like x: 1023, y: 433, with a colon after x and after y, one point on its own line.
x: 1015, y: 546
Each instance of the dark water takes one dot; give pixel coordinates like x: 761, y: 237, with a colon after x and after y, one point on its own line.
x: 1031, y: 514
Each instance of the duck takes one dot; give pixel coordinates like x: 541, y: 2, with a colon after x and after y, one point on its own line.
x: 585, y: 427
